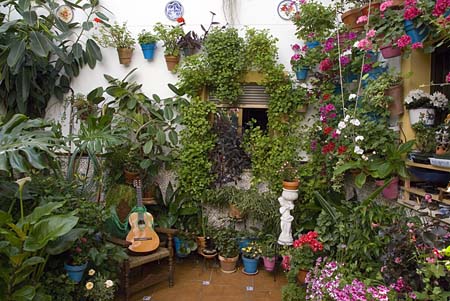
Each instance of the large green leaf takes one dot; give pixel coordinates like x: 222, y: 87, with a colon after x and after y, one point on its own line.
x: 39, y: 212
x: 93, y: 49
x: 7, y: 25
x: 39, y: 44
x: 49, y: 229
x: 16, y: 51
x: 63, y: 243
x: 26, y: 293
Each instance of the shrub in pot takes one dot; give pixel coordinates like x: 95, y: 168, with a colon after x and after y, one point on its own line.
x: 170, y: 36
x: 147, y: 40
x: 117, y: 36
x: 226, y: 244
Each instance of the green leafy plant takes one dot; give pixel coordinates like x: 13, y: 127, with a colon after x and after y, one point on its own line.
x: 146, y: 37
x: 314, y: 21
x: 225, y: 242
x: 99, y: 287
x: 252, y: 250
x: 115, y: 36
x: 425, y: 137
x: 42, y: 53
x: 376, y: 89
x: 169, y: 35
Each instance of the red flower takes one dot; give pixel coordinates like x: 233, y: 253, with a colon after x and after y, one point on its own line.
x: 328, y: 130
x: 83, y: 240
x: 98, y: 20
x: 180, y: 20
x: 342, y: 149
x: 326, y: 96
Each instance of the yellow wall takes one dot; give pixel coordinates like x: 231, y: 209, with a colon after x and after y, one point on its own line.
x: 419, y: 64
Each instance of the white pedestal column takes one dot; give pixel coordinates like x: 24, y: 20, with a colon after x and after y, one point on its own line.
x: 286, y: 200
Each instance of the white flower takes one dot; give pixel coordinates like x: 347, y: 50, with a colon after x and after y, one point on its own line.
x: 355, y: 122
x: 347, y: 118
x: 356, y: 44
x: 338, y: 131
x: 352, y: 96
x: 358, y: 150
x: 21, y: 182
x: 342, y: 125
x: 374, y: 152
x: 364, y: 157
x: 89, y: 285
x: 359, y: 138
x: 439, y: 100
x: 109, y: 283
x: 91, y: 272
x: 347, y: 52
x: 416, y: 95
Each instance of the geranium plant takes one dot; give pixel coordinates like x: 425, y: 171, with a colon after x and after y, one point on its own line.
x: 297, y: 58
x: 305, y: 250
x: 420, y: 99
x: 79, y: 253
x: 252, y: 250
x: 288, y: 172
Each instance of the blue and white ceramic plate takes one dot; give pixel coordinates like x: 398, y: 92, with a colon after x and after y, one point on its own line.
x: 174, y: 10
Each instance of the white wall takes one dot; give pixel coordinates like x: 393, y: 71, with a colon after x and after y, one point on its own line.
x: 143, y: 14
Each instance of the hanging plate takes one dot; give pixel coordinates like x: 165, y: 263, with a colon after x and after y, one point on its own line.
x: 65, y: 13
x: 287, y: 9
x: 174, y: 10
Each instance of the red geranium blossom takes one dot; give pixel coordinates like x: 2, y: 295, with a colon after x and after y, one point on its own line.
x: 97, y: 20
x: 180, y: 20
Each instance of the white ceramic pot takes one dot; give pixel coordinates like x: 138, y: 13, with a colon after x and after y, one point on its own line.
x: 289, y: 195
x: 426, y: 114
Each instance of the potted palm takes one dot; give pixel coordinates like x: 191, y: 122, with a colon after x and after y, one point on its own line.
x: 147, y: 40
x: 226, y: 244
x: 170, y: 35
x: 119, y: 37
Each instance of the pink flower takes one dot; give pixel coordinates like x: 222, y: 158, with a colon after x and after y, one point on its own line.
x: 385, y: 5
x: 404, y: 41
x: 397, y: 260
x: 352, y: 35
x: 411, y: 13
x: 325, y: 65
x: 410, y: 3
x: 417, y: 45
x: 431, y: 260
x: 371, y: 33
x: 362, y: 19
x: 447, y: 78
x: 440, y: 7
x: 295, y: 57
x: 296, y: 47
x: 364, y: 44
x: 345, y: 60
x: 367, y: 68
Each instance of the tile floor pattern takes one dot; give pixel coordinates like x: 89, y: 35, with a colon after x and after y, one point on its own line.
x: 195, y: 281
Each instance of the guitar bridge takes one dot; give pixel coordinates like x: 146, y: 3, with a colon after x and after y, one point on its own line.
x: 142, y: 238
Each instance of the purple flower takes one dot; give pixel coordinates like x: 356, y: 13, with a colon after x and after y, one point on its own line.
x: 295, y: 57
x: 296, y: 47
x: 345, y: 60
x: 367, y: 68
x: 329, y: 45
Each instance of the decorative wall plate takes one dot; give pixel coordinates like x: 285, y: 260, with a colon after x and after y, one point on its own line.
x: 65, y: 13
x: 287, y: 9
x: 174, y: 10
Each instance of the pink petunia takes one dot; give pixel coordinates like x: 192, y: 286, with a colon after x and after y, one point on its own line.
x: 386, y: 4
x: 403, y: 41
x: 296, y: 47
x: 417, y: 45
x: 362, y: 19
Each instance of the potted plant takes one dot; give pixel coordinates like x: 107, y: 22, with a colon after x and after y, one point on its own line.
x: 268, y: 251
x: 78, y: 259
x: 82, y: 105
x: 388, y: 23
x: 190, y: 43
x: 117, y: 36
x: 289, y: 175
x: 147, y: 40
x: 169, y: 35
x: 423, y: 105
x: 425, y: 142
x: 314, y: 21
x: 304, y: 254
x: 386, y: 92
x: 226, y: 244
x: 250, y: 257
x: 185, y: 243
x: 297, y: 63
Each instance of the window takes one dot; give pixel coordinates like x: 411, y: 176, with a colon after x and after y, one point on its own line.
x: 440, y: 67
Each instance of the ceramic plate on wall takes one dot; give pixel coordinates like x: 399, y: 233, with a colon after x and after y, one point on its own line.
x: 174, y: 10
x: 65, y: 13
x: 287, y: 9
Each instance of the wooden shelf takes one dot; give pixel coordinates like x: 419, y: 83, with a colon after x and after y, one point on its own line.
x: 422, y: 192
x: 426, y: 166
x: 430, y: 213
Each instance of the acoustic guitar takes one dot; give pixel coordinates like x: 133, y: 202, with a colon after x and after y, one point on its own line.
x: 142, y: 236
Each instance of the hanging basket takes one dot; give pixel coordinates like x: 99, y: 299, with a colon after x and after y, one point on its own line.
x: 350, y: 17
x: 301, y: 74
x: 125, y: 55
x: 172, y: 62
x: 388, y: 51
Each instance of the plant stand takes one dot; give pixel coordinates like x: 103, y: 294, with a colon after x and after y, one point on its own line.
x: 286, y: 205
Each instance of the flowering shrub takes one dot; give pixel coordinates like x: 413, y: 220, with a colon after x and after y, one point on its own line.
x: 305, y: 250
x: 288, y: 172
x: 297, y: 59
x: 98, y: 287
x: 252, y: 250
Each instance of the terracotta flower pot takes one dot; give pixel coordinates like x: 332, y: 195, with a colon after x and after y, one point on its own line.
x: 130, y: 176
x: 396, y: 106
x: 125, y: 55
x: 291, y: 185
x: 301, y: 276
x: 172, y: 61
x: 228, y: 265
x: 374, y: 6
x: 350, y: 17
x: 389, y: 52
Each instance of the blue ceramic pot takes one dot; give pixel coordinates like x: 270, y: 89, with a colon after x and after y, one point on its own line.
x: 250, y: 265
x: 148, y: 50
x: 302, y: 73
x: 416, y: 34
x: 178, y: 244
x: 312, y: 44
x: 75, y: 272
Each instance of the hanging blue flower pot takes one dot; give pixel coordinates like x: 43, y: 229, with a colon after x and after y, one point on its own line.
x: 75, y: 272
x: 250, y: 265
x: 349, y: 77
x: 373, y: 75
x: 416, y: 34
x: 312, y: 44
x: 148, y: 50
x: 302, y: 73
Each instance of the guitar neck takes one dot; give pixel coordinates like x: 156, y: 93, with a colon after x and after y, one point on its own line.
x: 139, y: 196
